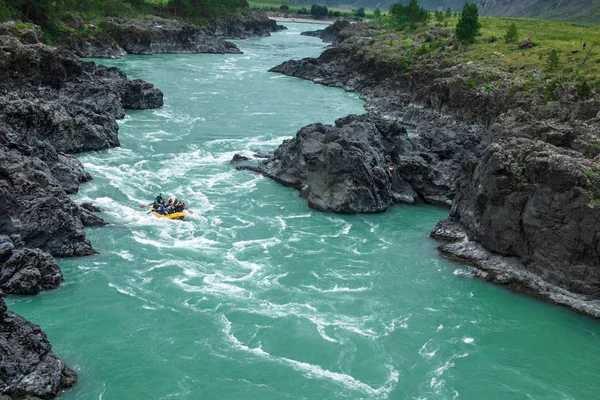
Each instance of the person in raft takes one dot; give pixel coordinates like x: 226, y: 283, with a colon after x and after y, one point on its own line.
x: 166, y: 208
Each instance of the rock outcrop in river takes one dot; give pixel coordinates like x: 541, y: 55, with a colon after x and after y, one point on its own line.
x: 331, y: 34
x: 28, y: 367
x: 365, y: 164
x: 116, y: 37
x: 52, y: 104
x: 522, y: 173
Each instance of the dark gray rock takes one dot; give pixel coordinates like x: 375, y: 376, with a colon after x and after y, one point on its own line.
x: 362, y: 164
x: 28, y: 271
x: 331, y: 34
x: 91, y: 207
x: 243, y: 27
x: 54, y: 104
x: 159, y: 35
x: 154, y: 35
x: 522, y: 174
x: 28, y: 367
x: 89, y: 219
x: 141, y: 95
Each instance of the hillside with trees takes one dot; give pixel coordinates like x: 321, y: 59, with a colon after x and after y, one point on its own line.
x: 569, y: 10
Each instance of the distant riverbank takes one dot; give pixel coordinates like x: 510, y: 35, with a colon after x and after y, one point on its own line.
x: 303, y: 20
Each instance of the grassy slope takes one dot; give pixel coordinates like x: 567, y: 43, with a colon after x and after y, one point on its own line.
x: 494, y: 61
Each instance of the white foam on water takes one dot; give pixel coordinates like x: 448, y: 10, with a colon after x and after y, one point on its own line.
x: 437, y: 382
x: 425, y: 352
x: 124, y: 254
x: 122, y: 290
x: 321, y: 330
x: 252, y: 267
x: 313, y: 371
x: 338, y: 289
x: 463, y: 272
x: 468, y: 340
x: 264, y: 243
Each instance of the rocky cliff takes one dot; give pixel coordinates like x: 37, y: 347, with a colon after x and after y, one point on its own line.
x: 28, y: 367
x: 116, y: 37
x: 52, y: 105
x: 521, y: 173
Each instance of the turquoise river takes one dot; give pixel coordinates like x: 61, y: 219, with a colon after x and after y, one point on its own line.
x: 256, y: 296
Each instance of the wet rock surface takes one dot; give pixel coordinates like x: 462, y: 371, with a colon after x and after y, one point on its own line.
x: 117, y: 37
x: 521, y: 173
x: 362, y: 164
x: 28, y: 367
x: 331, y: 34
x: 51, y: 104
x: 54, y: 104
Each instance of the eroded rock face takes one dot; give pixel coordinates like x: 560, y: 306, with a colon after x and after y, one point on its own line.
x: 53, y: 104
x: 28, y: 367
x: 363, y: 164
x: 534, y: 196
x: 26, y: 271
x: 243, y: 27
x: 117, y: 37
x: 525, y: 172
x: 331, y: 34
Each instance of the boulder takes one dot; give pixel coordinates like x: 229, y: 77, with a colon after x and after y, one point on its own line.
x: 28, y: 367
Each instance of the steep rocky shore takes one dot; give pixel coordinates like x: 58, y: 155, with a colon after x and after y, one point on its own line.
x: 116, y: 37
x: 331, y: 34
x: 521, y: 172
x: 52, y: 105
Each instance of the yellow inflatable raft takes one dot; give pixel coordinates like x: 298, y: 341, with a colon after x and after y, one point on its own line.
x: 176, y: 215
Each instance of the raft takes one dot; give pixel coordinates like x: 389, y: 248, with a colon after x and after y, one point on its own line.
x: 176, y: 215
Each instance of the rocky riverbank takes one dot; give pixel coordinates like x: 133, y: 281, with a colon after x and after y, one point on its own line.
x: 520, y: 167
x: 117, y: 37
x: 52, y: 105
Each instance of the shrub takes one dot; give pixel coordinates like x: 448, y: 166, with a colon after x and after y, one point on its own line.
x: 468, y: 24
x: 553, y: 60
x: 512, y: 34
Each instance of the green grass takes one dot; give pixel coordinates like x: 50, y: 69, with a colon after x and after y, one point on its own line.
x: 524, y: 68
x: 273, y: 5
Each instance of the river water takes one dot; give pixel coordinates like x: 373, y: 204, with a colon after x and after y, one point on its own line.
x: 256, y: 296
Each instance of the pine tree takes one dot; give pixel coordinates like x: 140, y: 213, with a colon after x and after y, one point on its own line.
x: 468, y: 24
x: 377, y: 14
x: 553, y: 60
x: 512, y: 34
x: 448, y: 12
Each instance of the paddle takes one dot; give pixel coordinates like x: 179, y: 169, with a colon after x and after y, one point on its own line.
x: 191, y: 212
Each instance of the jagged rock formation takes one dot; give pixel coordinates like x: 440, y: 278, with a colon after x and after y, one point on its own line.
x: 28, y: 367
x: 117, y: 37
x: 54, y: 104
x: 522, y: 173
x: 364, y: 164
x: 24, y: 270
x: 331, y: 34
x: 51, y: 104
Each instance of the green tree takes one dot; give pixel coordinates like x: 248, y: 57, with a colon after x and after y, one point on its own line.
x: 319, y: 10
x: 553, y: 60
x: 409, y: 14
x: 360, y: 12
x: 284, y: 8
x: 512, y: 34
x: 468, y: 24
x: 439, y: 16
x: 448, y: 12
x: 377, y: 14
